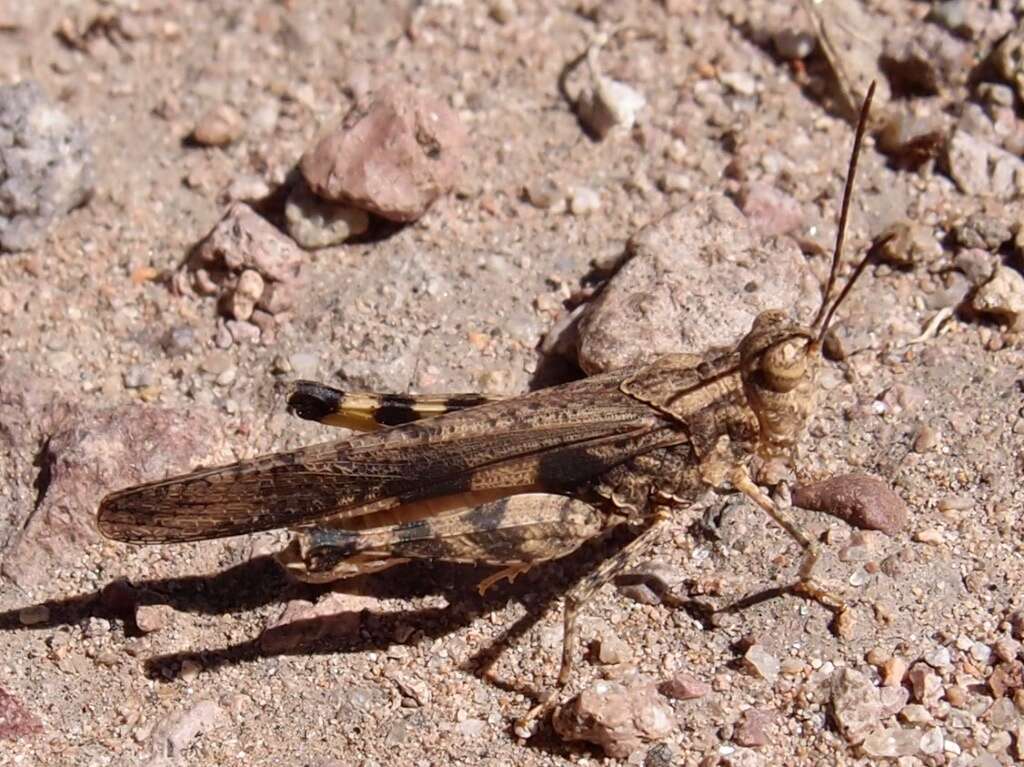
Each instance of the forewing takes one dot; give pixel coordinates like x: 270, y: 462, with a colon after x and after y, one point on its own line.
x: 551, y: 440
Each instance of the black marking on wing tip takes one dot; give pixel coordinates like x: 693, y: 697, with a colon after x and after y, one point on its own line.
x: 313, y: 401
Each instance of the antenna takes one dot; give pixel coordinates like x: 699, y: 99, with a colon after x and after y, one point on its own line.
x: 825, y: 313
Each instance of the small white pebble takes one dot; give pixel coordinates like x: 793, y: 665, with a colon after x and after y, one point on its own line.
x: 584, y: 201
x: 981, y: 652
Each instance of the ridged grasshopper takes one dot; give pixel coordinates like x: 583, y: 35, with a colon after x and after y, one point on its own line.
x: 519, y: 481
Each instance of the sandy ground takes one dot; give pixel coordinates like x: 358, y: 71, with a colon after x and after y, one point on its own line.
x: 413, y: 667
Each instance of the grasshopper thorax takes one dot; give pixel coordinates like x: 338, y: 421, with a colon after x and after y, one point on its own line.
x: 779, y: 367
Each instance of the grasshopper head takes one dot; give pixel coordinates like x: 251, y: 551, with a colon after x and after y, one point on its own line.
x: 779, y: 366
x: 778, y: 359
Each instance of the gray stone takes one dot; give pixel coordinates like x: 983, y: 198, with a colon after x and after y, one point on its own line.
x: 856, y: 707
x: 317, y: 223
x: 981, y: 168
x: 46, y: 165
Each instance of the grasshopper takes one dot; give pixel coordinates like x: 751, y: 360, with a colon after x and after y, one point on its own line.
x: 518, y: 481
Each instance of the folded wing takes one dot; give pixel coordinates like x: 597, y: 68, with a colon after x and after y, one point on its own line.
x: 551, y: 440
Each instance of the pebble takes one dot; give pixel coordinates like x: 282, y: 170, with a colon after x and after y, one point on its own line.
x: 222, y: 337
x: 301, y: 623
x: 33, y: 615
x: 1007, y: 649
x: 980, y: 230
x: 219, y: 126
x: 752, y: 729
x: 915, y: 713
x: 316, y: 223
x: 248, y: 187
x: 912, y: 139
x: 138, y: 377
x: 611, y: 650
x: 1006, y: 678
x: 674, y: 182
x: 855, y: 704
x: 243, y: 239
x: 1002, y: 296
x: 930, y: 535
x: 178, y: 340
x: 905, y: 244
x: 393, y: 159
x: 939, y: 658
x: 982, y: 653
x: 951, y: 14
x: 609, y: 105
x: 544, y: 193
x: 46, y: 164
x: 471, y: 728
x: 1003, y: 714
x: 702, y: 252
x: 150, y: 618
x: 190, y: 671
x: 619, y: 719
x: 1016, y: 621
x: 740, y: 82
x: 243, y: 332
x: 925, y: 684
x: 761, y: 663
x: 216, y: 363
x: 1008, y: 61
x: 172, y: 736
x: 247, y: 292
x: 278, y: 297
x: 227, y: 377
x: 684, y: 686
x: 932, y: 742
x: 982, y: 169
x: 502, y: 11
x: 893, y: 699
x: 860, y: 500
x: 926, y: 439
x: 583, y: 201
x: 892, y: 742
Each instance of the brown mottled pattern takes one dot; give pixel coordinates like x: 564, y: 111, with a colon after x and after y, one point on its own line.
x: 555, y: 439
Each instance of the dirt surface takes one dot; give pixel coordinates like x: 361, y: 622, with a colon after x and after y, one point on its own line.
x: 206, y: 654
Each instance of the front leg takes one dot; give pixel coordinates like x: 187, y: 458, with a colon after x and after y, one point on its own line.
x: 806, y: 585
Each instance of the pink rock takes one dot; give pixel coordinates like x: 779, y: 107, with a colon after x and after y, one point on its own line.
x: 685, y: 686
x: 337, y: 615
x: 242, y: 240
x: 752, y: 729
x: 394, y: 159
x: 91, y: 453
x: 617, y: 718
x: 857, y: 499
x: 16, y: 721
x: 856, y: 707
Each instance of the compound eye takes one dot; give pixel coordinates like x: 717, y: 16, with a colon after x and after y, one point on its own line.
x: 784, y: 365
